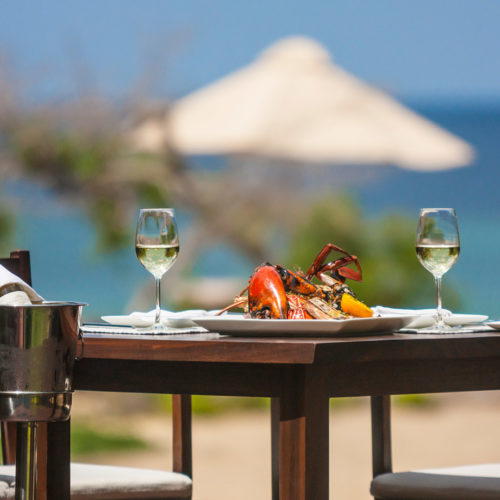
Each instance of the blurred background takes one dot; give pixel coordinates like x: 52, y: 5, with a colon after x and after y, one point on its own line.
x: 78, y: 81
x: 272, y: 128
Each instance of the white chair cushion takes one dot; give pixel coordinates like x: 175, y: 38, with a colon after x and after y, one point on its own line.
x: 7, y: 481
x: 106, y: 482
x: 478, y: 482
x: 477, y: 470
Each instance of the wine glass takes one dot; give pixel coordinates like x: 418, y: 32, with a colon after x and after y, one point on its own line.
x: 438, y: 247
x: 157, y: 246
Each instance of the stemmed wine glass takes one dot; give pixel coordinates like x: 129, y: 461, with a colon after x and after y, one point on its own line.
x: 438, y: 247
x: 157, y: 246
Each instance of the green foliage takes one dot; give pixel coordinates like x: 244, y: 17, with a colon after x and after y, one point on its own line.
x: 215, y: 405
x: 335, y: 219
x: 86, y: 440
x: 78, y: 153
x: 392, y: 275
x: 73, y: 156
x: 112, y: 233
x: 343, y: 402
x: 6, y: 232
x: 414, y: 400
x: 152, y: 195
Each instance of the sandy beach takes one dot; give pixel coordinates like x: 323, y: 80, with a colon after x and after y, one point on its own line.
x: 232, y: 451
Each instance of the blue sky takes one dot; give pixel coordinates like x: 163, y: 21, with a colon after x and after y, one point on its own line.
x: 416, y: 49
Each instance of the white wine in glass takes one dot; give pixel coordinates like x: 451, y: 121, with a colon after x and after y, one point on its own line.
x: 157, y: 259
x: 438, y: 247
x: 157, y: 247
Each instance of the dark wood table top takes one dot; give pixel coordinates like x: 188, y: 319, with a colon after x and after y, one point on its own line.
x: 210, y: 363
x: 212, y: 347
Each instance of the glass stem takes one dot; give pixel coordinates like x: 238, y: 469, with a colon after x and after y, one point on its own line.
x: 158, y: 309
x: 439, y: 308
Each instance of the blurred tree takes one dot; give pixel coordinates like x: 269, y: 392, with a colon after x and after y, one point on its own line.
x: 74, y: 150
x: 6, y: 231
x: 80, y: 150
x: 392, y: 275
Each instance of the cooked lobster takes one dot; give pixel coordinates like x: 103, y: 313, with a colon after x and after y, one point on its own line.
x: 275, y: 292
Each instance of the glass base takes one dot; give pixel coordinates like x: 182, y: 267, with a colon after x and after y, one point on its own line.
x: 154, y: 329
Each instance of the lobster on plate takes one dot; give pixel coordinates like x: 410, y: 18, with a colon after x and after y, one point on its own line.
x: 275, y: 292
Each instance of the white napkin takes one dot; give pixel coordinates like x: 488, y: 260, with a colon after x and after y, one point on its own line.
x: 14, y: 291
x: 426, y: 317
x: 180, y: 319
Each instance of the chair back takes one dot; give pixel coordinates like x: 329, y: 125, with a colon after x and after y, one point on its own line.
x: 19, y: 264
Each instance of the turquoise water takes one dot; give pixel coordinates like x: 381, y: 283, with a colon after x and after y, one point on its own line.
x: 65, y: 267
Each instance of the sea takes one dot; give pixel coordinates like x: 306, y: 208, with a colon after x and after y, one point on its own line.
x: 66, y: 267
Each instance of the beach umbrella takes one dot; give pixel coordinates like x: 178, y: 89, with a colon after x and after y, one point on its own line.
x: 293, y: 103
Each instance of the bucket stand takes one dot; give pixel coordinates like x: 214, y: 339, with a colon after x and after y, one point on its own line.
x: 26, y: 460
x: 37, y: 353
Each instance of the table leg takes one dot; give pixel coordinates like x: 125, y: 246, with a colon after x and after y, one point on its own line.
x: 303, y: 435
x: 58, y: 460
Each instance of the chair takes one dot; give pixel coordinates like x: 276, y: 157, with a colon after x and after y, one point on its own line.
x: 103, y: 482
x: 469, y: 482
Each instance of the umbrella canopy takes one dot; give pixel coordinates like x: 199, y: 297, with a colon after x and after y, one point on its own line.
x: 293, y: 103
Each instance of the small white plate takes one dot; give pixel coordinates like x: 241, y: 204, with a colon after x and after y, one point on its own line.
x: 493, y: 324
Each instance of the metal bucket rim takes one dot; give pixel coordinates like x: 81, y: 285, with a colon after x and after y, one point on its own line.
x: 34, y: 393
x: 47, y: 303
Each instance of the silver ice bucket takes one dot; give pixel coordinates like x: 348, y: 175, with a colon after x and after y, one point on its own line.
x: 38, y: 345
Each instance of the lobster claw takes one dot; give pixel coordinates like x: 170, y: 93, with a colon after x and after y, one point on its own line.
x: 337, y: 267
x: 347, y: 272
x: 266, y: 294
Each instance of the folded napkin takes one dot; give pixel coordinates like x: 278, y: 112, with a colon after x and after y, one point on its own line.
x: 14, y: 291
x: 180, y: 319
x: 426, y: 317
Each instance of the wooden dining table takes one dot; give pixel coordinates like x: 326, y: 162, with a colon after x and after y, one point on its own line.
x: 300, y: 374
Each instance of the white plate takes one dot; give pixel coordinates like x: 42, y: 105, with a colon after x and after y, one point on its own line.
x: 494, y: 324
x: 240, y: 326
